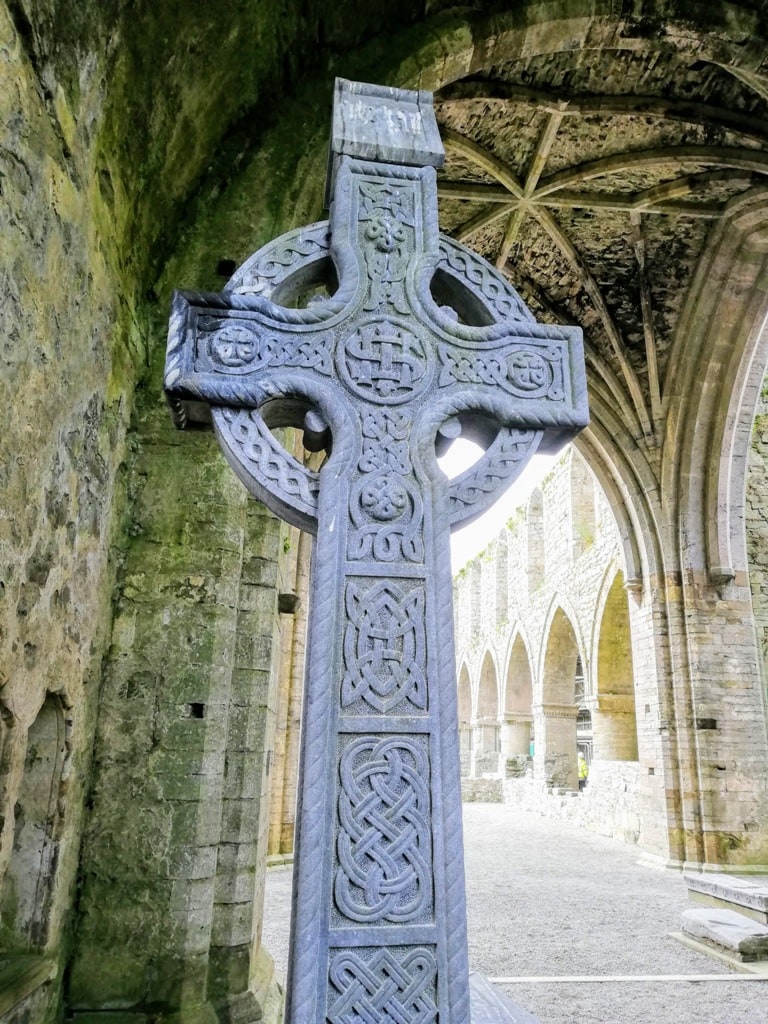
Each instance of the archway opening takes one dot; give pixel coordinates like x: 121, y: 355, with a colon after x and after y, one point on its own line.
x: 556, y: 742
x: 614, y: 719
x: 486, y: 732
x: 517, y: 728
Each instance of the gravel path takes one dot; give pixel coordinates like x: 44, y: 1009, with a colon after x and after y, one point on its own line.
x: 546, y: 899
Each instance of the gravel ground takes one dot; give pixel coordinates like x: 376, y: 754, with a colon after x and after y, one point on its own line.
x: 546, y: 899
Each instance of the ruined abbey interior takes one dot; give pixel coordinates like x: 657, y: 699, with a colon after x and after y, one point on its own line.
x: 609, y: 158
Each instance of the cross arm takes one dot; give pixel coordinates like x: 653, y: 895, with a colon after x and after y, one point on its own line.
x: 533, y: 380
x: 223, y: 350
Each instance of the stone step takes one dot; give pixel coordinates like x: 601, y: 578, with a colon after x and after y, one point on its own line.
x: 741, y: 937
x: 747, y: 896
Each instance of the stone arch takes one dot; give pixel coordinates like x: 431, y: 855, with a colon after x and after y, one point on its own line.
x: 613, y: 704
x: 756, y: 526
x: 516, y: 729
x: 485, y: 742
x: 30, y: 876
x: 555, y: 761
x: 720, y: 371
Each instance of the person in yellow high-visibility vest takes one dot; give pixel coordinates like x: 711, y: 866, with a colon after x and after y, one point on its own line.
x: 583, y: 771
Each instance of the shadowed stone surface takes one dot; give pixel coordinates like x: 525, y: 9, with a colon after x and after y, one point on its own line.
x: 384, y: 342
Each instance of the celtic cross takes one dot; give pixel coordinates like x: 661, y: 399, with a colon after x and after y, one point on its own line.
x: 382, y: 340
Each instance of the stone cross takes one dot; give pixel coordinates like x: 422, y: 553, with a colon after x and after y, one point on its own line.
x: 383, y: 341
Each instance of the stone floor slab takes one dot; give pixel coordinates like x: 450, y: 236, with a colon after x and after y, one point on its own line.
x: 743, y: 937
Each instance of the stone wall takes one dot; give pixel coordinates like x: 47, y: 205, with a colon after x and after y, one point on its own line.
x: 71, y: 342
x: 564, y: 599
x: 757, y: 526
x: 175, y: 845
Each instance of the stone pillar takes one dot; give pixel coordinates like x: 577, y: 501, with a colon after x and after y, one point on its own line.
x: 516, y: 734
x: 286, y: 769
x: 727, y: 761
x: 554, y: 758
x: 174, y: 847
x: 613, y: 725
x: 485, y: 746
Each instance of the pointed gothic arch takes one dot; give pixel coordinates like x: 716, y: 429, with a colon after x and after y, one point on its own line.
x: 555, y: 761
x: 613, y: 704
x: 517, y: 726
x: 485, y: 743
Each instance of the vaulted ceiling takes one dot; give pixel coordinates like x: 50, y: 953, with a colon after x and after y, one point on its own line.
x: 593, y: 180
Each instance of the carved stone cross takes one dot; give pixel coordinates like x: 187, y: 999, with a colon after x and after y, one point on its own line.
x: 407, y: 340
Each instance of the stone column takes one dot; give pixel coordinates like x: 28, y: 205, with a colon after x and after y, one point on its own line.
x: 485, y: 746
x: 554, y: 758
x: 613, y: 724
x: 516, y: 734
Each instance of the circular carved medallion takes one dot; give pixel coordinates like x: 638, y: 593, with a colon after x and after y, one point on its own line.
x: 384, y: 497
x: 383, y: 361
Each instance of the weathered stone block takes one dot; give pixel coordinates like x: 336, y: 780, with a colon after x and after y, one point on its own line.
x: 194, y: 862
x: 233, y: 924
x: 740, y: 936
x: 111, y: 978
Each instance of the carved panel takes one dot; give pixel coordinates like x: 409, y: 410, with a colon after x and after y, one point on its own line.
x: 384, y: 849
x: 225, y: 345
x: 387, y: 513
x: 384, y: 648
x: 383, y: 985
x: 385, y: 441
x: 383, y: 362
x: 518, y: 369
x: 386, y: 235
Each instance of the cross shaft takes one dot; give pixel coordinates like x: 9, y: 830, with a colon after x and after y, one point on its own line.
x: 419, y: 339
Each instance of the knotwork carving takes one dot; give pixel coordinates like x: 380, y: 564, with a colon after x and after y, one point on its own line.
x: 386, y: 495
x: 384, y: 851
x: 387, y: 513
x: 386, y: 234
x: 265, y: 269
x: 384, y: 647
x: 517, y: 369
x: 244, y: 431
x: 383, y: 362
x: 466, y: 266
x: 239, y: 346
x: 385, y: 442
x: 383, y: 987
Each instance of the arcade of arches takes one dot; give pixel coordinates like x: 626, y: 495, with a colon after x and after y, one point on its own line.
x: 610, y: 158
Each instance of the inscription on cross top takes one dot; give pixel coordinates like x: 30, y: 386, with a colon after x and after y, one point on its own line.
x: 407, y: 340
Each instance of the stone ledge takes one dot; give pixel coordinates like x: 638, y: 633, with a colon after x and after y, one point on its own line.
x: 739, y: 936
x: 728, y: 891
x: 21, y: 975
x: 279, y: 860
